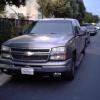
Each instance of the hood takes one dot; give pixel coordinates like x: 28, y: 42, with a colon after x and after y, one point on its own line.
x: 91, y: 29
x: 33, y: 41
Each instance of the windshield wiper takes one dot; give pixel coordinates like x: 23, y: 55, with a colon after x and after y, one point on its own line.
x: 53, y: 33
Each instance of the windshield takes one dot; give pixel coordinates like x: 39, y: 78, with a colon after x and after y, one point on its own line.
x: 52, y: 27
x: 90, y: 27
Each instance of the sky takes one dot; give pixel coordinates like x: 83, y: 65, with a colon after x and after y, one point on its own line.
x: 92, y: 6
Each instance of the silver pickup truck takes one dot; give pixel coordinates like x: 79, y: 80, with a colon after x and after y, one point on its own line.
x: 48, y: 47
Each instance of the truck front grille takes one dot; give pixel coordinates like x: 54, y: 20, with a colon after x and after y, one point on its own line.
x: 36, y: 55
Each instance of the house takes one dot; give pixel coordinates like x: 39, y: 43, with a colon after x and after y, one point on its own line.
x: 30, y: 10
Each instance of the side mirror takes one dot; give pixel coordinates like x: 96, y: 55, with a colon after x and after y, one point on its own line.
x: 76, y: 30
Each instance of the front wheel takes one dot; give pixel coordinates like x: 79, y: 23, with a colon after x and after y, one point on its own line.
x: 69, y: 75
x: 83, y: 51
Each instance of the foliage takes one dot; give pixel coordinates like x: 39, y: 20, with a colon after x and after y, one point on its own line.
x: 66, y: 8
x: 3, y: 3
x: 45, y: 7
x: 90, y: 18
x: 1, y: 7
x: 56, y: 8
x: 95, y: 19
x: 10, y: 28
x: 12, y: 2
x: 62, y: 8
x: 5, y: 30
x: 81, y: 11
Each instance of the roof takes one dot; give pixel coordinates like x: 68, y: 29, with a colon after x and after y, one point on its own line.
x: 68, y: 19
x: 74, y: 21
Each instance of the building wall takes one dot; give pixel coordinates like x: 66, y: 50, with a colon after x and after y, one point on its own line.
x: 30, y: 10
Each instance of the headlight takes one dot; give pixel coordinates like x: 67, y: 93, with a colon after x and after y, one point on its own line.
x: 58, y: 53
x: 4, y: 55
x: 58, y: 50
x: 5, y: 48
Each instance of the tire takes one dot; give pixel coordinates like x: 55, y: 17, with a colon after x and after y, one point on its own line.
x: 71, y: 74
x: 86, y: 43
x: 83, y: 51
x: 88, y: 40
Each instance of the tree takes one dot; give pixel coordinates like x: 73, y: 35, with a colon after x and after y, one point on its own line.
x: 12, y: 2
x: 3, y: 3
x: 45, y: 7
x: 62, y: 8
x: 74, y: 6
x: 1, y: 7
x: 81, y: 11
x: 56, y: 8
x: 90, y: 18
x: 95, y: 19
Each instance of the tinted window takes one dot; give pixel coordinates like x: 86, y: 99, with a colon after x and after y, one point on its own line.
x: 52, y: 27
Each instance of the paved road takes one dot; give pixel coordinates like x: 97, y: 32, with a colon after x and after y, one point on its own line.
x: 86, y: 85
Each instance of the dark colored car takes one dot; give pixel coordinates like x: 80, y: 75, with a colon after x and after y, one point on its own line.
x: 50, y: 46
x: 97, y: 26
x: 85, y: 30
x: 91, y: 29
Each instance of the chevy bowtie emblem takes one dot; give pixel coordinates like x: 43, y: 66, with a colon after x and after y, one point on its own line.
x: 29, y: 53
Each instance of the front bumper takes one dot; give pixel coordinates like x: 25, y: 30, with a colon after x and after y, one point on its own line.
x: 47, y: 67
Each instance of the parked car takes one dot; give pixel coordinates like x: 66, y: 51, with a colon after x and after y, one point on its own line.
x: 50, y: 46
x: 97, y: 26
x: 91, y: 29
x: 87, y: 34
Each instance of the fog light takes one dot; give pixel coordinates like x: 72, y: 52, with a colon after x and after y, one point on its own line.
x: 58, y: 57
x: 5, y: 70
x: 6, y: 55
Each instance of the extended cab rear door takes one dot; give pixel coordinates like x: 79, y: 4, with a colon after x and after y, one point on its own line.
x: 79, y: 40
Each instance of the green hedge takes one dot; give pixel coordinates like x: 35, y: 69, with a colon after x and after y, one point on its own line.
x: 6, y: 31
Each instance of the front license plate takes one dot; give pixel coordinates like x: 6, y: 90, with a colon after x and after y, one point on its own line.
x: 27, y: 71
